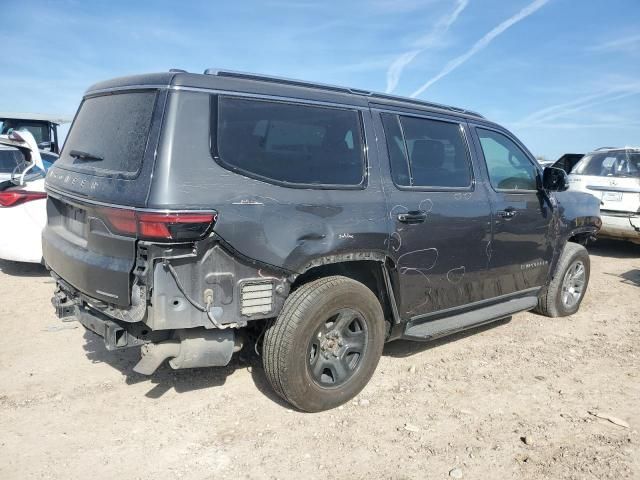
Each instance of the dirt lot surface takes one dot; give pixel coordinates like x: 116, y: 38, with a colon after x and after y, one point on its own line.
x: 515, y: 400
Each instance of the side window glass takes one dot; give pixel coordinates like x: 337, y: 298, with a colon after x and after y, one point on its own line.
x: 290, y: 143
x: 438, y: 154
x: 396, y: 150
x: 509, y: 167
x: 426, y: 153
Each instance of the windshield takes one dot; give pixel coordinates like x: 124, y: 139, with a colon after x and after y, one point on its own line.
x: 39, y: 130
x: 620, y: 163
x: 109, y: 134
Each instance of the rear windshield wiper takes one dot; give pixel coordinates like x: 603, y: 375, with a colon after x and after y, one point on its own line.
x: 80, y: 155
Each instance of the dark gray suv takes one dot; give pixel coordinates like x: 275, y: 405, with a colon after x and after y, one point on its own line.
x: 193, y: 213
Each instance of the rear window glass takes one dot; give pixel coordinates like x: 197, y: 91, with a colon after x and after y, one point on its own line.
x: 290, y: 144
x: 9, y: 158
x: 110, y: 132
x: 610, y: 164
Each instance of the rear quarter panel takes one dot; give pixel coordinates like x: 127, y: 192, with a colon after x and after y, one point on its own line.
x: 290, y: 228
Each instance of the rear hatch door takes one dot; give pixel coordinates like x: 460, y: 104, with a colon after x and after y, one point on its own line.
x: 611, y: 176
x: 107, y: 162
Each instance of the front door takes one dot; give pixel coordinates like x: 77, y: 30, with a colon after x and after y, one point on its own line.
x: 439, y: 218
x: 521, y: 247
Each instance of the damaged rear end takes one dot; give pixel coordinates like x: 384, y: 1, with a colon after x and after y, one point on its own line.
x: 140, y: 272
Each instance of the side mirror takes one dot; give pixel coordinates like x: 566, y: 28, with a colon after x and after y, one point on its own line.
x: 555, y: 179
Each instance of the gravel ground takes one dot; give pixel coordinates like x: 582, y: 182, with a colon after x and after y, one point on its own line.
x: 517, y: 399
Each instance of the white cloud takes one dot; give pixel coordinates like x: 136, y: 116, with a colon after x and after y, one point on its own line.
x: 568, y: 109
x: 483, y: 43
x: 630, y: 43
x: 394, y: 71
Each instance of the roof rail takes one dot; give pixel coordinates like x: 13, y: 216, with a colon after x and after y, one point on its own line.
x: 335, y: 88
x: 177, y: 70
x: 605, y: 148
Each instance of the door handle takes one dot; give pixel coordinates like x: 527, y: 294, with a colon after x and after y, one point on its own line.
x: 508, y: 212
x: 415, y: 216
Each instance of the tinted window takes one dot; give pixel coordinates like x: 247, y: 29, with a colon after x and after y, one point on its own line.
x: 9, y: 158
x: 509, y: 167
x: 114, y: 128
x: 610, y: 164
x: 431, y: 154
x: 289, y: 143
x: 396, y: 149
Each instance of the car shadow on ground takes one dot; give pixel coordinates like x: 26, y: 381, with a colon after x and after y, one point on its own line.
x: 614, y: 249
x: 630, y: 277
x: 406, y: 348
x: 165, y: 378
x: 21, y: 269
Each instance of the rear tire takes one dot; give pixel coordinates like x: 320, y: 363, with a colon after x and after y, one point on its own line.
x: 564, y: 294
x: 325, y: 344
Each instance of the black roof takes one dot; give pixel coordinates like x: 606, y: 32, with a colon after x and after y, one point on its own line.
x: 276, y: 86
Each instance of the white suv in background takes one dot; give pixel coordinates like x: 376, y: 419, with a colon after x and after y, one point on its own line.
x: 613, y: 176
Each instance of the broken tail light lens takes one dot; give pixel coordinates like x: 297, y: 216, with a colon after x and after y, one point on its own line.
x: 11, y: 198
x: 161, y: 226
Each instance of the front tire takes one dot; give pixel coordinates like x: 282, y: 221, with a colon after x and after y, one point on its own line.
x: 325, y: 344
x: 563, y: 296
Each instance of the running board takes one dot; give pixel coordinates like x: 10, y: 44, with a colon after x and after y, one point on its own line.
x: 444, y: 326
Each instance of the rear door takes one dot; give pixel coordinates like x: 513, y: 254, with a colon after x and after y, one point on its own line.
x: 522, y: 242
x: 106, y: 162
x: 440, y: 217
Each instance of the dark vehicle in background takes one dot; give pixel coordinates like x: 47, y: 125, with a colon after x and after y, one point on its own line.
x: 44, y: 128
x: 193, y: 213
x: 612, y: 175
x: 567, y: 161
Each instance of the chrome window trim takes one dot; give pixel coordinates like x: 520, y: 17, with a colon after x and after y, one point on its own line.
x: 263, y: 96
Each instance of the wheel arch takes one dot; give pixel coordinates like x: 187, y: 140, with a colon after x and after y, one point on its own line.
x: 370, y: 269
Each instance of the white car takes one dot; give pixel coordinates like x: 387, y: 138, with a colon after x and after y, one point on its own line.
x: 11, y: 158
x: 613, y: 176
x: 23, y: 209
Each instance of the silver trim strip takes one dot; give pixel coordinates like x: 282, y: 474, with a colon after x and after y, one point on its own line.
x: 110, y: 295
x: 62, y: 194
x: 233, y: 93
x: 614, y: 188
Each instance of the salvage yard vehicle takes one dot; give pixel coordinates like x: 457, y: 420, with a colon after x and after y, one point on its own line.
x: 613, y: 176
x: 567, y: 161
x: 329, y: 220
x: 44, y: 128
x: 23, y: 209
x: 12, y: 160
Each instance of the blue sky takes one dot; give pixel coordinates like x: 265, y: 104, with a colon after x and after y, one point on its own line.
x: 563, y: 75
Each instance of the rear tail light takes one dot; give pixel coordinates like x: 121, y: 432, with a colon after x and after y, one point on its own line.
x: 170, y: 226
x: 11, y: 198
